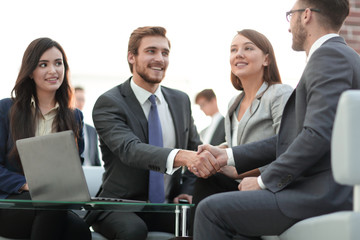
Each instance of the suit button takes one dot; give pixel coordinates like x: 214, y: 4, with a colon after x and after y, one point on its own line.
x: 280, y: 185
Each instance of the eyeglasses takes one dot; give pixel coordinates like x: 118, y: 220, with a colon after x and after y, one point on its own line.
x: 291, y: 12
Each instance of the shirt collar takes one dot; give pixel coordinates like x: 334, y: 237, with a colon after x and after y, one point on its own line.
x: 143, y: 95
x: 320, y: 42
x: 32, y: 103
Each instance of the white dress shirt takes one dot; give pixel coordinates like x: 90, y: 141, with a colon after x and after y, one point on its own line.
x: 167, y: 124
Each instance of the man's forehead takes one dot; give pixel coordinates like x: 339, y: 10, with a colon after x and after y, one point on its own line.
x: 158, y: 42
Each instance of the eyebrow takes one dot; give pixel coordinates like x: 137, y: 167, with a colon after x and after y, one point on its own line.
x: 163, y: 49
x: 234, y: 45
x: 58, y: 59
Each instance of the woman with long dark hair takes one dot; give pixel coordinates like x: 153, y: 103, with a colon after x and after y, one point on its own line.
x: 40, y: 104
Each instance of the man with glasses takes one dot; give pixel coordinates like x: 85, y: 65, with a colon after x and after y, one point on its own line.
x: 298, y: 182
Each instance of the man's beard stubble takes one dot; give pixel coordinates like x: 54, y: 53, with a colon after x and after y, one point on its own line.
x: 299, y: 37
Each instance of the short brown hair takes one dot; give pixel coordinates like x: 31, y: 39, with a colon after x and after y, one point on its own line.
x: 138, y: 34
x: 271, y: 71
x: 208, y: 94
x: 332, y: 12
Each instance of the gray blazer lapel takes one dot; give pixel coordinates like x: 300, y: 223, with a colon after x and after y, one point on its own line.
x: 134, y: 105
x: 228, y: 118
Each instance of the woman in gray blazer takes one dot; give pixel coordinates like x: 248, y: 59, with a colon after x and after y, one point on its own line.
x: 256, y: 112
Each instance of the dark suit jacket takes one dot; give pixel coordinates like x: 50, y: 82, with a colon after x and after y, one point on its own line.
x: 300, y: 171
x: 92, y: 146
x: 218, y: 136
x: 11, y: 177
x: 123, y: 133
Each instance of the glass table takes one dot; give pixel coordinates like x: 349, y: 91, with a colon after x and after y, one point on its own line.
x: 177, y: 209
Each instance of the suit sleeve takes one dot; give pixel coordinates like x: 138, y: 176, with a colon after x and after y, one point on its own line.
x: 327, y: 75
x: 254, y: 155
x: 10, y: 181
x: 112, y: 121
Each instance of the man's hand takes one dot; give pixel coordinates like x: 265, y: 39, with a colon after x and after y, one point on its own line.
x: 183, y: 196
x: 249, y: 184
x: 201, y: 164
x: 219, y: 153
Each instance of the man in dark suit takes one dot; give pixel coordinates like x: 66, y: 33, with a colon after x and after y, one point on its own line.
x: 298, y: 182
x: 91, y: 151
x: 121, y: 117
x: 214, y: 134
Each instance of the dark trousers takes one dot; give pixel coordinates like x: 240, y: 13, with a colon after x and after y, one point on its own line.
x: 42, y: 224
x: 133, y: 226
x: 248, y: 215
x: 217, y: 183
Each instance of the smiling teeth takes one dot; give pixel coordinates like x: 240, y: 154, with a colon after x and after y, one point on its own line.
x: 156, y: 68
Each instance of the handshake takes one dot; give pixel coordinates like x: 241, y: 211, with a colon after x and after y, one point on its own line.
x: 207, y: 161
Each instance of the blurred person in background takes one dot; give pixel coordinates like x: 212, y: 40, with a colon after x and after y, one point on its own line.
x: 91, y: 150
x: 214, y: 134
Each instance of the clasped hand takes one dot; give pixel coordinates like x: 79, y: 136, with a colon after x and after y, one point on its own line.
x: 209, y: 159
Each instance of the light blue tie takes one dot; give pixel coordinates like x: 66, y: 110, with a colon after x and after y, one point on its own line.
x: 156, y: 179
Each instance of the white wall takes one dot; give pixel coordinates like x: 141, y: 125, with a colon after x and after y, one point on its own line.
x: 95, y: 33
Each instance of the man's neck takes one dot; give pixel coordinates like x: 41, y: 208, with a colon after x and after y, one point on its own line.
x: 313, y: 35
x: 151, y: 87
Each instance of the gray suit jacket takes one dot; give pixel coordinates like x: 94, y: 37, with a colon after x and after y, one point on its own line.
x: 300, y: 171
x: 123, y: 132
x: 262, y: 119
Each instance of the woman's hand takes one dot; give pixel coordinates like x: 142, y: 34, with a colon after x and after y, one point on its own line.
x: 229, y: 171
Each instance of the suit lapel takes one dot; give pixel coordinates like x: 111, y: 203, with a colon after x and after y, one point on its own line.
x: 228, y: 119
x: 134, y: 105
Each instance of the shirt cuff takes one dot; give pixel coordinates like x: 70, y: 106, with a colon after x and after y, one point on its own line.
x: 230, y: 155
x: 261, y: 183
x: 170, y: 162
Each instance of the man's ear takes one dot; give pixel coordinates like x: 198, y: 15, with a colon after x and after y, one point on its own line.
x: 306, y: 17
x: 131, y: 58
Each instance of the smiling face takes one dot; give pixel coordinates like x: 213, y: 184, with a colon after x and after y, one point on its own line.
x: 49, y: 73
x: 246, y: 59
x: 152, y: 60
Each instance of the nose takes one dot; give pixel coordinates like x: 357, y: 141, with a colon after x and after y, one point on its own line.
x: 159, y: 57
x: 240, y: 54
x: 52, y: 69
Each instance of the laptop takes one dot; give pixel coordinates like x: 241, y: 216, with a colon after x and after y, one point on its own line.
x: 53, y: 169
